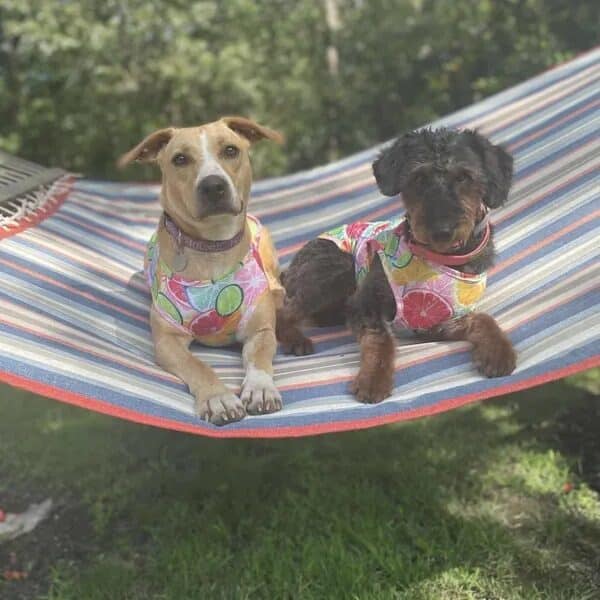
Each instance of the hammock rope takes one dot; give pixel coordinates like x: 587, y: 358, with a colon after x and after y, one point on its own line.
x: 74, y: 309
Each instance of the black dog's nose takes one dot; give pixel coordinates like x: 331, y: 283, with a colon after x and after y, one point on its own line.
x: 442, y: 232
x: 212, y: 188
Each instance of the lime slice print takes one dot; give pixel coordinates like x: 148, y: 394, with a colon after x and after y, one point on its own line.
x: 166, y: 269
x: 229, y: 300
x: 402, y: 260
x: 168, y: 307
x: 337, y: 232
x: 391, y: 245
x: 201, y: 297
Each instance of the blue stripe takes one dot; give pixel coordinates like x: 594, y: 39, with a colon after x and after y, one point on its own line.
x: 543, y: 233
x: 94, y: 272
x: 110, y: 297
x: 86, y: 237
x: 549, y: 158
x: 553, y: 126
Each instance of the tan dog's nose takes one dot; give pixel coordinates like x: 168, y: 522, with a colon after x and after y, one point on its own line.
x: 212, y: 188
x: 214, y: 195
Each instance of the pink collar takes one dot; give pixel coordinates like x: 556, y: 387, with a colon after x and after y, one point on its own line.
x: 451, y: 260
x: 182, y: 239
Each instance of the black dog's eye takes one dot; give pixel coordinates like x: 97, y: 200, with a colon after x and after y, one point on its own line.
x: 231, y: 151
x: 179, y: 160
x: 420, y: 178
x: 463, y: 177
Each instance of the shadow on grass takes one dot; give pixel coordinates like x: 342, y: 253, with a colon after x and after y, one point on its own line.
x: 469, y: 502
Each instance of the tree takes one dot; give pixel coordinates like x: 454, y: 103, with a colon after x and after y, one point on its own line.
x: 81, y: 82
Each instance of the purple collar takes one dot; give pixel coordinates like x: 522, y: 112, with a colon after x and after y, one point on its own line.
x: 182, y: 239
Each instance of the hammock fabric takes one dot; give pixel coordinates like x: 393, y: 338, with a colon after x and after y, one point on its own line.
x: 74, y: 310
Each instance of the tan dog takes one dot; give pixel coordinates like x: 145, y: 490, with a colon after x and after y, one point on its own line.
x: 204, y: 236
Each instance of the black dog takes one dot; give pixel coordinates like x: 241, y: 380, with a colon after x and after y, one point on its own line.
x: 448, y: 180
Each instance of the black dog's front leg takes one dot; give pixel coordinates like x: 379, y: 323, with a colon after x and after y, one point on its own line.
x: 493, y: 352
x: 370, y: 310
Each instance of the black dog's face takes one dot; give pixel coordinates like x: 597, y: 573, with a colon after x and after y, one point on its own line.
x: 445, y: 177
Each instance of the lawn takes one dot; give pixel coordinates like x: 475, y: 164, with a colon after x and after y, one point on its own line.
x: 497, y: 500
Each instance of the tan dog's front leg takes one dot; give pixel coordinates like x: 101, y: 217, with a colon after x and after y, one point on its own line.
x: 214, y: 401
x: 259, y: 394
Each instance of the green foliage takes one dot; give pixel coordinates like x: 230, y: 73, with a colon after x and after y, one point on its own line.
x: 82, y: 81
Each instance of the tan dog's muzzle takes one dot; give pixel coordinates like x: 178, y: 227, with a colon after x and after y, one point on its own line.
x: 215, y: 197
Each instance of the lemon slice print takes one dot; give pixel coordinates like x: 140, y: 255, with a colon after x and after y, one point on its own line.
x: 468, y: 292
x: 413, y: 270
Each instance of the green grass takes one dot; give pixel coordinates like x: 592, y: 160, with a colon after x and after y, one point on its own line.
x: 469, y: 504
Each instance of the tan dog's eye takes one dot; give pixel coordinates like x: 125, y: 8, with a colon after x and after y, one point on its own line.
x: 463, y: 177
x: 180, y: 160
x: 231, y: 151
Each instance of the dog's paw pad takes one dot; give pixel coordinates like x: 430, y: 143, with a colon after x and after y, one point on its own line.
x: 371, y: 389
x: 259, y: 394
x: 498, y: 360
x: 301, y: 346
x: 221, y: 409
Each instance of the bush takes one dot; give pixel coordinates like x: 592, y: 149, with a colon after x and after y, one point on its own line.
x: 81, y: 82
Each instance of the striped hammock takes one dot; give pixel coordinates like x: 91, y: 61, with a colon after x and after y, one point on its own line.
x: 74, y: 309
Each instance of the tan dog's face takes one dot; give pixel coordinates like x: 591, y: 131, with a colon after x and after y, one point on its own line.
x: 206, y: 170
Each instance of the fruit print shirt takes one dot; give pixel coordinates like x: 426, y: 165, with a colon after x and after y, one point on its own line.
x: 213, y: 311
x: 426, y: 293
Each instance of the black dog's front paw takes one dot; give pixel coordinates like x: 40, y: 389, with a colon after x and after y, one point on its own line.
x: 495, y: 358
x: 300, y: 346
x: 372, y: 388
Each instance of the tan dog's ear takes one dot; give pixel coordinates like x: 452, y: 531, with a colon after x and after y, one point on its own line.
x: 148, y: 149
x: 252, y: 131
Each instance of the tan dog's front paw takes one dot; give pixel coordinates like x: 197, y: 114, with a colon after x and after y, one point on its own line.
x: 221, y: 409
x: 259, y: 394
x: 496, y: 359
x: 372, y: 388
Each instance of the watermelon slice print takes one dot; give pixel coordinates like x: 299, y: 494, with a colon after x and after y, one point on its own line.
x: 207, y: 323
x: 178, y: 291
x: 355, y: 230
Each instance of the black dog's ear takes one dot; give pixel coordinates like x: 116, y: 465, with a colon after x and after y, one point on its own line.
x: 385, y: 173
x: 498, y: 167
x: 392, y: 166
